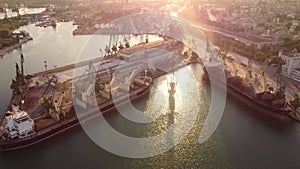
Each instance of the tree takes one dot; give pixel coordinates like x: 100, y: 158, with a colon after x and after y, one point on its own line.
x: 5, y: 33
x: 276, y: 60
x: 296, y: 102
x: 259, y: 56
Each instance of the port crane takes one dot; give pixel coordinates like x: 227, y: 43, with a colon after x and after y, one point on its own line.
x: 84, y: 92
x: 249, y: 76
x: 107, y: 51
x: 249, y: 71
x: 114, y: 49
x: 261, y: 71
x: 18, y: 84
x: 127, y: 45
x: 108, y: 86
x: 234, y: 68
x: 224, y: 52
x: 57, y: 103
x: 277, y: 75
x: 52, y: 104
x: 22, y: 65
x: 127, y: 84
x: 120, y: 46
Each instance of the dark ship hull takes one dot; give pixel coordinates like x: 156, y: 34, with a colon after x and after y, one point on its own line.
x: 64, y: 126
x: 253, y: 103
x: 281, y: 114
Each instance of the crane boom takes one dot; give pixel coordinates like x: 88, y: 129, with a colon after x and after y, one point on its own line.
x: 226, y: 49
x: 57, y: 104
x: 263, y: 67
x: 261, y: 72
x: 53, y: 77
x: 130, y: 77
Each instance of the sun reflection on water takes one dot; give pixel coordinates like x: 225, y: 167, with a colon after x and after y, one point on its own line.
x: 190, y: 98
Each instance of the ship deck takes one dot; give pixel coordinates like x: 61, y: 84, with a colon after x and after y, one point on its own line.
x: 69, y: 75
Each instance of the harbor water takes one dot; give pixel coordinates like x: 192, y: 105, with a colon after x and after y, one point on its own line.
x: 244, y: 139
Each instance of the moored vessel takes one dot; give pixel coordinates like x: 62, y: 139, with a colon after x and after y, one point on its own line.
x: 42, y: 105
x: 262, y: 98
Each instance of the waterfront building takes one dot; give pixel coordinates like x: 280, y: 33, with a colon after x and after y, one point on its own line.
x: 291, y: 68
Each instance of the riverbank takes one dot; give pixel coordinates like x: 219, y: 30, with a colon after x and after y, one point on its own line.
x: 11, y: 41
x: 85, y: 30
x: 6, y: 50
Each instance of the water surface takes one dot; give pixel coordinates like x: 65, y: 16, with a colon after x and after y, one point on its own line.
x: 244, y: 139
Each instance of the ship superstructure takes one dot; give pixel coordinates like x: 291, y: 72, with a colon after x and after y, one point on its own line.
x: 19, y: 124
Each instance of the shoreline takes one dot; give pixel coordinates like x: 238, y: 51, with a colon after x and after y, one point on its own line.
x: 7, y: 50
x: 77, y: 32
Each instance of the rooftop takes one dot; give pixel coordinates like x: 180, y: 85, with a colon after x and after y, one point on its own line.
x: 291, y: 54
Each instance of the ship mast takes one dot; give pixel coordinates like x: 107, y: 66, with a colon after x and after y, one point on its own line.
x: 20, y: 73
x: 22, y: 64
x: 249, y: 69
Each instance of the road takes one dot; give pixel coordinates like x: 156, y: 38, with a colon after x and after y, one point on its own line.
x: 269, y: 71
x: 245, y: 37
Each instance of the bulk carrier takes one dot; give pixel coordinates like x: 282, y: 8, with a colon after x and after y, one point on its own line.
x: 251, y: 87
x: 42, y: 104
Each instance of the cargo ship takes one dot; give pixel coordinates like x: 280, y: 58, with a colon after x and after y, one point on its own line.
x: 43, y: 104
x: 268, y: 100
